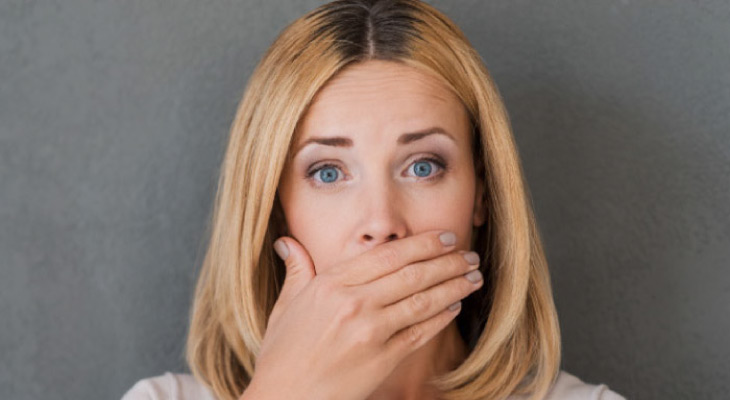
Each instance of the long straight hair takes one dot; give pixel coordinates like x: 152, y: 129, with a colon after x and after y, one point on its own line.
x: 510, y: 325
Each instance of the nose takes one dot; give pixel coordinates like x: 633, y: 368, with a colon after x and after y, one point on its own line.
x: 382, y: 215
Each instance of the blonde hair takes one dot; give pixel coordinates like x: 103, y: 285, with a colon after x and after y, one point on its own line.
x: 510, y: 325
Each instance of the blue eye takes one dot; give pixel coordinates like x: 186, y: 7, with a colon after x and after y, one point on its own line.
x: 328, y: 173
x: 422, y: 167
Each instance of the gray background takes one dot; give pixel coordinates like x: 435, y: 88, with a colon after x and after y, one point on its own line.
x: 113, y: 116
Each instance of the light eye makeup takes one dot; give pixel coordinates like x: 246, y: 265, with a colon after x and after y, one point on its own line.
x: 435, y: 166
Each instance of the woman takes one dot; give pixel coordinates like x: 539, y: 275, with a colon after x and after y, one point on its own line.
x: 370, y: 132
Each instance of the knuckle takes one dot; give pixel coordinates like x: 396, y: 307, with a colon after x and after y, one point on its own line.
x: 350, y: 307
x: 411, y: 275
x: 434, y: 245
x: 464, y: 286
x: 414, y: 334
x: 386, y: 256
x: 457, y: 263
x: 366, y: 334
x: 419, y: 303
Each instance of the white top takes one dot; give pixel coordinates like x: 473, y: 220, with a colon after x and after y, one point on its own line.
x: 170, y: 386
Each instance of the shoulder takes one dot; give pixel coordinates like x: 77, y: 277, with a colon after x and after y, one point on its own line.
x: 168, y: 386
x: 569, y: 387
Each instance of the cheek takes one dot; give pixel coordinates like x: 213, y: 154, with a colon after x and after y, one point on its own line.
x: 317, y: 225
x: 451, y: 208
x: 306, y: 218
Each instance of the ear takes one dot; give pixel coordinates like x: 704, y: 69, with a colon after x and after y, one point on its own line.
x: 480, y: 203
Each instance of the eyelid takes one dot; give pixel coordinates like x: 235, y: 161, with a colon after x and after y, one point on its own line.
x: 440, y: 162
x: 316, y: 167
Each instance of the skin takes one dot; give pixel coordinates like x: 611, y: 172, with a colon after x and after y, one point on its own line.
x: 378, y: 190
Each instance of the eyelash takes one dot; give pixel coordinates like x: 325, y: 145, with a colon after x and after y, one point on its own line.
x: 442, y: 164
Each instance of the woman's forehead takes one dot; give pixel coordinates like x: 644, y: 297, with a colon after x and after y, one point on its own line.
x: 377, y: 93
x: 378, y: 75
x: 376, y: 79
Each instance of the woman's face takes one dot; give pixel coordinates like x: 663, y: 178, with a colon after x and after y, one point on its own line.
x: 383, y: 153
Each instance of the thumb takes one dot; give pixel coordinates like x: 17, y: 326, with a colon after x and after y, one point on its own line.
x: 299, y: 267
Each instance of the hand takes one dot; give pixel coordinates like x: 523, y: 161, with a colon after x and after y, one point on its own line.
x: 340, y: 333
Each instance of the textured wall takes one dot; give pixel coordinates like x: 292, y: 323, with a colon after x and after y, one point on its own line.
x: 113, y: 116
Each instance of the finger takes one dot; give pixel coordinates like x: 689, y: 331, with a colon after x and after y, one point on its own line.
x: 409, y: 339
x: 299, y: 268
x: 390, y: 256
x: 416, y: 277
x: 423, y: 305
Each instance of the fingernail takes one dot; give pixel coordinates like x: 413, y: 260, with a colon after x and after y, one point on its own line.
x: 455, y: 306
x: 447, y: 238
x: 281, y: 249
x: 472, y: 258
x: 474, y: 276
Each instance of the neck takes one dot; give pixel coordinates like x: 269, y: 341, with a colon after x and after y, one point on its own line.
x: 443, y: 353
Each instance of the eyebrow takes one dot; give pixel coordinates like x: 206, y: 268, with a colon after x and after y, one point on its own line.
x: 341, y: 141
